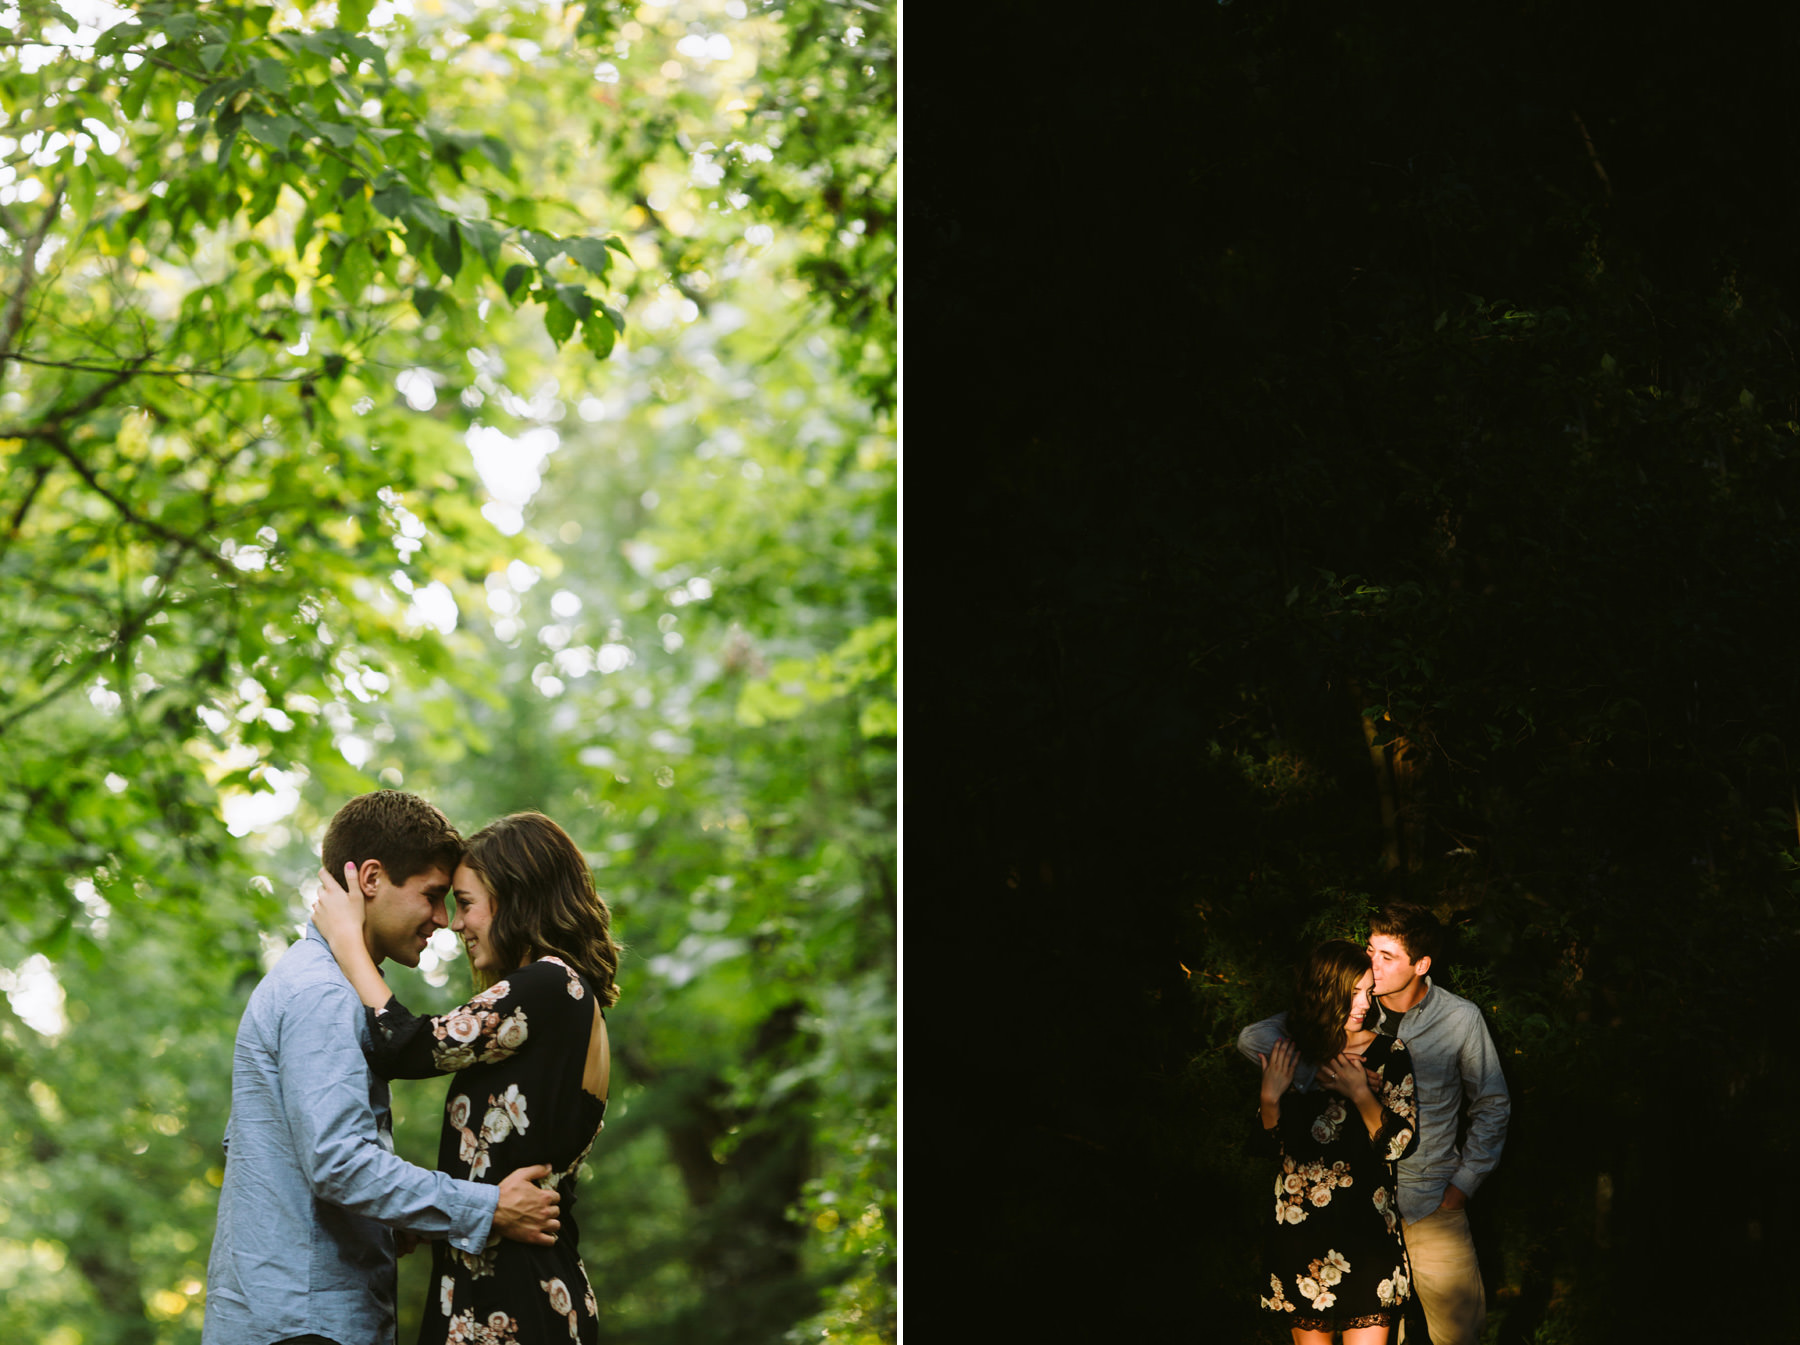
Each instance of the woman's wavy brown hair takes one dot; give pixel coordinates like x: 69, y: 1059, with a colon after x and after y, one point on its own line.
x: 544, y: 900
x: 1327, y: 988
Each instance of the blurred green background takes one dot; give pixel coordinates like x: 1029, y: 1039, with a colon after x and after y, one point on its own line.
x: 490, y: 400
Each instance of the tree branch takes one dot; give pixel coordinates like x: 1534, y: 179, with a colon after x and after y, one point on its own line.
x: 25, y: 503
x: 15, y: 305
x: 86, y: 473
x: 157, y: 372
x: 50, y: 429
x: 133, y: 623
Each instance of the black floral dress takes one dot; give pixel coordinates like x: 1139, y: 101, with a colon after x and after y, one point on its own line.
x: 1334, y: 1259
x: 519, y: 1050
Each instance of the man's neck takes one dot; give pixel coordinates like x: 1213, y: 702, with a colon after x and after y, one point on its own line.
x: 376, y: 955
x: 1405, y: 1001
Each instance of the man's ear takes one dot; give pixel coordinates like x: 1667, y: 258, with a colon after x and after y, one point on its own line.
x: 1420, y: 968
x: 368, y: 877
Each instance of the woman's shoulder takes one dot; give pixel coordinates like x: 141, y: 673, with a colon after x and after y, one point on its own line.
x: 550, y: 972
x: 1393, y: 1051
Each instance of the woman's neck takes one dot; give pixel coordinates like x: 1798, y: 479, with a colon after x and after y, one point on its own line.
x: 1355, y: 1040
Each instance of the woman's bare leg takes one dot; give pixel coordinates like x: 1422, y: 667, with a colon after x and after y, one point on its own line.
x: 1304, y: 1337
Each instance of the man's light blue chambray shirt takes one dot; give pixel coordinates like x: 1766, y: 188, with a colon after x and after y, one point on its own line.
x: 1453, y: 1059
x: 312, y: 1186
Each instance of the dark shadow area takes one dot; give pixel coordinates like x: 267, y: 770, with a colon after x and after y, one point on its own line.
x: 1354, y: 453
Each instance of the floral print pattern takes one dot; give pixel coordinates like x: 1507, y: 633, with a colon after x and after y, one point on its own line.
x: 1321, y: 1274
x: 1298, y: 1185
x: 476, y: 1034
x: 506, y: 1115
x: 574, y: 986
x: 1275, y: 1302
x: 479, y: 1264
x: 1325, y: 1127
x: 518, y: 1051
x: 563, y: 1304
x: 1396, y: 1288
x: 498, y: 1329
x: 1334, y: 1256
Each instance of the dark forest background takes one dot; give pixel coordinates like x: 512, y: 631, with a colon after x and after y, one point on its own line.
x: 1355, y: 455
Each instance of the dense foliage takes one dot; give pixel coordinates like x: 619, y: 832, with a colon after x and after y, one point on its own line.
x: 494, y: 400
x: 1430, y: 538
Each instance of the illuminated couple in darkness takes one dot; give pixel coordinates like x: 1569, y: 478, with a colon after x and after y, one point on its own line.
x: 1364, y: 1083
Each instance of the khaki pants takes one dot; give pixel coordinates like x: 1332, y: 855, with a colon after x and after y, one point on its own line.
x: 1446, y: 1277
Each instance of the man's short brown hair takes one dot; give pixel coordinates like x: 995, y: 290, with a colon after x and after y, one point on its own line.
x: 1416, y: 929
x: 401, y: 830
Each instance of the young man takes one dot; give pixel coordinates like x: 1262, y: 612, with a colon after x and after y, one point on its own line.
x: 313, y: 1193
x: 1454, y: 1063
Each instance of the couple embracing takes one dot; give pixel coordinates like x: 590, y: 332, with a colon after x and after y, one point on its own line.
x: 315, y: 1204
x: 1361, y: 1113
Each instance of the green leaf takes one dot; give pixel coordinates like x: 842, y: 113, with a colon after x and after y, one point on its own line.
x: 277, y: 131
x: 577, y: 300
x: 131, y: 97
x: 338, y: 133
x: 542, y: 247
x: 559, y: 319
x: 213, y: 53
x: 591, y: 253
x: 425, y: 299
x: 879, y: 719
x: 483, y: 238
x: 81, y: 192
x: 353, y: 15
x: 598, y: 335
x: 516, y: 275
x: 357, y: 47
x: 498, y: 153
x: 270, y: 74
x: 311, y: 43
x: 617, y: 244
x: 428, y: 214
x: 211, y: 94
x: 446, y: 250
x: 393, y: 200
x: 117, y: 38
x: 179, y: 27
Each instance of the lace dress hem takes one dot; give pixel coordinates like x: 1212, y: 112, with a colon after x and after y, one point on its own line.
x: 1301, y: 1322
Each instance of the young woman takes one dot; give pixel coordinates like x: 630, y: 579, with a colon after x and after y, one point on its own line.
x: 530, y: 1059
x: 1334, y: 1258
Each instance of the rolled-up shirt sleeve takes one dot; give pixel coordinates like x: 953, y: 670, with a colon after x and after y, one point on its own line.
x: 1489, y: 1106
x: 1259, y: 1040
x: 338, y: 1143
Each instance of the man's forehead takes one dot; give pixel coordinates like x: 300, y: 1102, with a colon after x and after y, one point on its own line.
x: 433, y: 880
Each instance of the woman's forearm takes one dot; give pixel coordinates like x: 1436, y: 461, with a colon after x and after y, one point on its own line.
x: 1369, y: 1108
x: 359, y: 969
x: 1271, y: 1113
